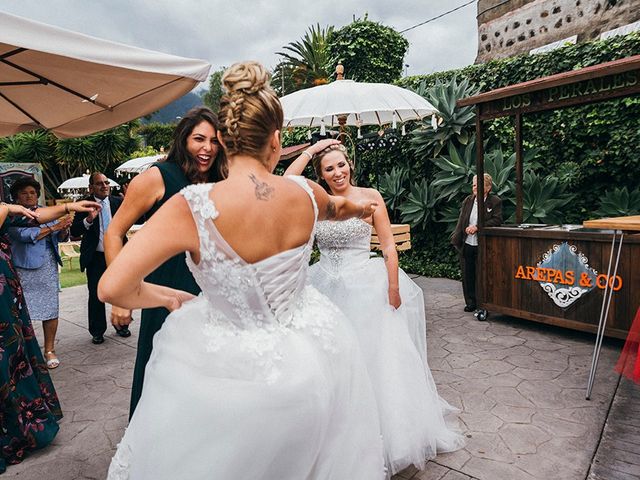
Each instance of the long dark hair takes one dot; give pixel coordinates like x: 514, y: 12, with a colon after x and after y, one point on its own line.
x: 179, y: 154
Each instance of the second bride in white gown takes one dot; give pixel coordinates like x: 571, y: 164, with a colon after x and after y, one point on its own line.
x: 258, y: 377
x: 386, y: 309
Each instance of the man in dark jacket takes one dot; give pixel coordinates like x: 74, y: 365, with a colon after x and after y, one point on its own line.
x: 91, y: 227
x: 465, y: 236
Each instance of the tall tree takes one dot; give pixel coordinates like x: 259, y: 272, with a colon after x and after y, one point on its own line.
x: 369, y: 51
x: 306, y: 62
x: 211, y: 97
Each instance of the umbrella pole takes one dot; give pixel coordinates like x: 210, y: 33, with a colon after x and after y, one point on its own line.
x: 342, y: 121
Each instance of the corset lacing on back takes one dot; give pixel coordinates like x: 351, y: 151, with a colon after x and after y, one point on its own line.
x: 251, y: 305
x: 258, y: 293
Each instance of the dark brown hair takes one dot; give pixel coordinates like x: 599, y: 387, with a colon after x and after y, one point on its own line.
x: 179, y: 154
x: 250, y: 112
x: 22, y: 183
x: 317, y: 167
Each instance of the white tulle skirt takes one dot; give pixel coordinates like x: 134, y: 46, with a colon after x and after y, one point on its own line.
x: 416, y: 422
x: 289, y: 403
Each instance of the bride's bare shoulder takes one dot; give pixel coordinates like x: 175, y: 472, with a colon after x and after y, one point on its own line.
x: 369, y: 193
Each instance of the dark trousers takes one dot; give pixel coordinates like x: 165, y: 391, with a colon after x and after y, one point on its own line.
x: 469, y: 263
x: 97, y: 314
x: 150, y: 324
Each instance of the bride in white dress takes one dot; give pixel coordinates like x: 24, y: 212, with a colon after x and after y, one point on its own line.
x: 257, y: 377
x: 387, y: 312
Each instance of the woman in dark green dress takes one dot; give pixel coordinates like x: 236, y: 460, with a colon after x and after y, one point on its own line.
x: 29, y: 406
x: 194, y: 157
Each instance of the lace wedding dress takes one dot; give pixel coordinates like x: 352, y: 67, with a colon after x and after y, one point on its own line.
x: 393, y: 342
x: 259, y: 377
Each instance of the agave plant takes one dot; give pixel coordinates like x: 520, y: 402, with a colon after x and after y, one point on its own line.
x: 503, y: 169
x: 543, y: 199
x: 449, y: 215
x: 456, y: 170
x: 619, y: 203
x: 455, y: 123
x: 392, y: 187
x: 418, y: 208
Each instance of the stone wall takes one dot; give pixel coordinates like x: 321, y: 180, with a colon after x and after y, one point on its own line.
x: 517, y: 26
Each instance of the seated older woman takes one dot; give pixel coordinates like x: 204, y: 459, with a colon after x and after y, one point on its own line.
x: 36, y: 258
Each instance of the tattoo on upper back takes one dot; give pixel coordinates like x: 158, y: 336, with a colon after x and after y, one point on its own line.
x: 331, y: 210
x: 264, y: 191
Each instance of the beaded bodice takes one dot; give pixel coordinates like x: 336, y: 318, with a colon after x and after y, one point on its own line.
x: 343, y: 242
x: 248, y: 295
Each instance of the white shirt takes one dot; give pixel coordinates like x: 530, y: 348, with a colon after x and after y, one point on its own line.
x: 103, y: 219
x: 473, y: 221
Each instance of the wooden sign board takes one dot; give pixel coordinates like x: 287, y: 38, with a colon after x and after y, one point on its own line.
x: 586, y: 91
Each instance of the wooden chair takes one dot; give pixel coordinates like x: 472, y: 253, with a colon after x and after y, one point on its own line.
x: 68, y: 250
x: 401, y: 237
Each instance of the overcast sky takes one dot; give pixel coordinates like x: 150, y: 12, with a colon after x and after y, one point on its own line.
x: 223, y: 32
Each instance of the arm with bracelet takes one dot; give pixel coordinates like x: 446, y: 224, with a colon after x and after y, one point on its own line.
x: 299, y: 164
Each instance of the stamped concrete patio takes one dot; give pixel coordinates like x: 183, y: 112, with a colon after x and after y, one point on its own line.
x: 520, y: 388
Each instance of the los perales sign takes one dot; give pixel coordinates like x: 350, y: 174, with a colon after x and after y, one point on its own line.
x: 565, y: 95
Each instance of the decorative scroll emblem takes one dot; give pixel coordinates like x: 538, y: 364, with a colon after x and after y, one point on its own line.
x: 566, y: 258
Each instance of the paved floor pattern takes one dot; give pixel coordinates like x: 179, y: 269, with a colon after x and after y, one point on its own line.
x: 519, y: 386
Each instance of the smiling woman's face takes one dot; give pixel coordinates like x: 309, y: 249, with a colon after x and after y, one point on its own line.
x: 336, y: 171
x: 203, y: 146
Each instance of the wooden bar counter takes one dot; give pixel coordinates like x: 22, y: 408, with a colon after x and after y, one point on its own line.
x: 507, y: 286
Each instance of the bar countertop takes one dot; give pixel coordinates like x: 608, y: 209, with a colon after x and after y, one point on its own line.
x: 631, y: 223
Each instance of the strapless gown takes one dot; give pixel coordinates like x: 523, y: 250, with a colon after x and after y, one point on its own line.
x: 259, y: 377
x: 416, y: 422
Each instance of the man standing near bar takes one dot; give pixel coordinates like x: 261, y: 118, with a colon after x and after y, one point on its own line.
x: 465, y: 236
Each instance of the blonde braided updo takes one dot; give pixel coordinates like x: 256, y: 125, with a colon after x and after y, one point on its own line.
x: 250, y: 111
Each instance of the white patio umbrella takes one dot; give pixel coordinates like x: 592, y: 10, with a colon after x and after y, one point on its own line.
x: 360, y: 103
x: 74, y: 85
x: 139, y: 165
x: 77, y: 187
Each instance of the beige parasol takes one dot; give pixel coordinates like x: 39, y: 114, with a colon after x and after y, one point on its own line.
x: 73, y: 84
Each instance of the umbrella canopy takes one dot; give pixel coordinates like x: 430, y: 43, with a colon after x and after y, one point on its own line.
x: 138, y: 165
x: 79, y: 183
x: 74, y: 85
x: 361, y: 103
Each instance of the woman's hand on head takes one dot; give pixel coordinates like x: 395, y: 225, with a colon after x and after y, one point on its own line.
x: 299, y: 164
x: 321, y: 145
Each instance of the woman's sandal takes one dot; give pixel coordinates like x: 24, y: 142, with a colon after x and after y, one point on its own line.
x: 52, y: 362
